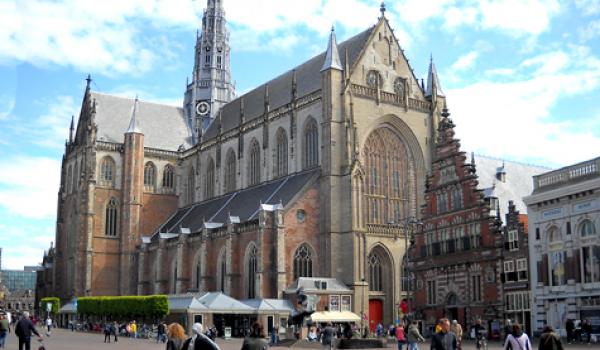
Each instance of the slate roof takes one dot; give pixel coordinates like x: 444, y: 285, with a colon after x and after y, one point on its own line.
x: 113, y: 116
x: 217, y: 301
x: 308, y: 79
x: 243, y: 204
x: 518, y: 181
x: 313, y: 284
x: 269, y: 305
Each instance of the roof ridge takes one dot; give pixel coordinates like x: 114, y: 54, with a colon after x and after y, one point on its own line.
x: 133, y: 99
x: 512, y: 161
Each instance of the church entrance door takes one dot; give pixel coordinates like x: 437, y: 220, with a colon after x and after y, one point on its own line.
x: 375, y: 313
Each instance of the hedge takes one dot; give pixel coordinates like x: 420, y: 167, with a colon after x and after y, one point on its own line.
x: 155, y: 306
x: 54, y: 301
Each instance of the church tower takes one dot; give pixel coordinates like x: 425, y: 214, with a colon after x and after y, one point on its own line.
x: 211, y: 85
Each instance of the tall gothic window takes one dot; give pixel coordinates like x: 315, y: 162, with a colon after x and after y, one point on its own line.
x: 168, y: 181
x: 281, y: 161
x: 303, y: 263
x: 375, y: 273
x: 230, y: 173
x: 198, y: 270
x: 149, y: 177
x: 311, y: 145
x: 111, y: 218
x: 457, y: 198
x: 251, y: 265
x: 222, y: 271
x: 209, y: 183
x: 107, y: 172
x: 69, y: 177
x: 174, y: 279
x: 191, y: 185
x: 386, y: 184
x: 75, y: 177
x: 254, y: 164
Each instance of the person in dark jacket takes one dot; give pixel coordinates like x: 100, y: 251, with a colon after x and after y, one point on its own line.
x: 587, y: 329
x: 256, y: 340
x: 199, y: 341
x: 176, y: 336
x: 443, y: 340
x: 23, y: 331
x: 570, y: 326
x: 328, y: 336
x: 549, y: 340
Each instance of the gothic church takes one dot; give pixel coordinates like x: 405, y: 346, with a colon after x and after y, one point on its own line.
x: 311, y: 174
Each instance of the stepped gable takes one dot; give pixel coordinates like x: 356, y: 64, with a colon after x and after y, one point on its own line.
x: 308, y: 78
x: 244, y: 204
x: 113, y: 116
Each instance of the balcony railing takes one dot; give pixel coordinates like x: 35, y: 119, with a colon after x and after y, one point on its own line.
x: 566, y: 174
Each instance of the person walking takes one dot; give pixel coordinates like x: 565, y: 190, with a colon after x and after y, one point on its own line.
x: 400, y: 337
x: 587, y: 329
x: 176, y: 335
x: 49, y: 325
x: 160, y: 332
x: 414, y: 336
x: 444, y: 339
x: 570, y: 327
x: 23, y: 331
x: 133, y: 329
x: 106, y: 330
x: 198, y: 340
x: 328, y: 336
x: 4, y: 330
x: 456, y: 328
x: 256, y: 340
x: 114, y: 329
x: 517, y: 340
x: 549, y: 340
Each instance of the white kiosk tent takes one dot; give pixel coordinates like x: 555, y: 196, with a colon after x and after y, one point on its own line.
x: 66, y: 314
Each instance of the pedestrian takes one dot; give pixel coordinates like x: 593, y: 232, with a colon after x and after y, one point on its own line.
x: 517, y: 340
x: 176, y: 335
x: 106, y: 330
x: 256, y: 340
x: 274, y: 336
x: 570, y: 327
x: 49, y: 325
x: 456, y: 328
x: 160, y: 332
x: 23, y: 331
x: 133, y: 329
x: 4, y: 330
x: 328, y: 336
x: 549, y: 340
x: 198, y: 340
x: 413, y: 336
x: 399, y: 333
x: 379, y: 330
x: 444, y: 339
x: 587, y: 329
x: 114, y: 329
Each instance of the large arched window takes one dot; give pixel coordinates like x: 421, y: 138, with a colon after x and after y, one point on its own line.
x: 198, y: 273
x: 303, y: 263
x: 191, y: 186
x: 111, y: 218
x: 587, y: 228
x: 107, y: 172
x: 281, y: 154
x: 254, y: 164
x: 209, y: 183
x: 149, y: 177
x: 174, y: 278
x: 387, y: 195
x: 168, y: 181
x: 375, y: 273
x: 311, y: 145
x: 252, y: 267
x: 222, y: 271
x: 230, y: 173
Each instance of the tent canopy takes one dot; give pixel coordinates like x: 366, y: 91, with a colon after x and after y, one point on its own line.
x: 69, y: 308
x: 222, y: 303
x: 335, y: 316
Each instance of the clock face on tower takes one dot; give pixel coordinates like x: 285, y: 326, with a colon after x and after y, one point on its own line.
x: 202, y: 108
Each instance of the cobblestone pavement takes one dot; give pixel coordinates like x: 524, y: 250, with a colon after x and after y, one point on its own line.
x: 66, y: 340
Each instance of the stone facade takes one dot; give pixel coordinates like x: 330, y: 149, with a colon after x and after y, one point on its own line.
x: 564, y: 247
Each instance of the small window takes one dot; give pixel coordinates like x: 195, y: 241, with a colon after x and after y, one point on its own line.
x: 168, y: 177
x: 587, y: 228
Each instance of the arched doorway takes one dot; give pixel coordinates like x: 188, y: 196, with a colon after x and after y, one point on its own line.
x: 451, y: 311
x: 381, y: 287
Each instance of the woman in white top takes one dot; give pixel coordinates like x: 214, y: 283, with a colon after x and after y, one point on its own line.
x: 517, y: 340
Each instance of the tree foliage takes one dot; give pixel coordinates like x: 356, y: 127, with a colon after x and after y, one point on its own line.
x: 152, y: 306
x: 52, y: 300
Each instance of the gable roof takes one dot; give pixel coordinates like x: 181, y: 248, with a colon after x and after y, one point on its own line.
x: 185, y: 302
x: 314, y: 285
x: 217, y: 301
x: 308, y: 78
x: 164, y: 127
x: 518, y: 181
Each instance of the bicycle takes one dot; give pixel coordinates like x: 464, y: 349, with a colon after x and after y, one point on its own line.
x: 481, y: 344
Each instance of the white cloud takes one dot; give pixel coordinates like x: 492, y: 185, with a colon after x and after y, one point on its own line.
x: 29, y: 189
x: 499, y: 72
x: 588, y: 7
x: 525, y: 104
x: 466, y: 61
x: 7, y: 103
x: 590, y: 31
x: 23, y: 244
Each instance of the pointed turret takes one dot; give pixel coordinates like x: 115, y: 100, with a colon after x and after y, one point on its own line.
x: 433, y: 82
x: 72, y: 129
x: 133, y: 124
x: 332, y: 57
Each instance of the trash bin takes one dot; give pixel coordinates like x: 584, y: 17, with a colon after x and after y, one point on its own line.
x: 227, y: 332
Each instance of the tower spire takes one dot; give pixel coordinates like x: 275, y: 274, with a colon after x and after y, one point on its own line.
x: 72, y: 129
x: 133, y: 124
x: 332, y: 57
x: 433, y: 82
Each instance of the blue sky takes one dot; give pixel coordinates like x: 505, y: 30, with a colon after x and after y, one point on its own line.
x: 522, y: 76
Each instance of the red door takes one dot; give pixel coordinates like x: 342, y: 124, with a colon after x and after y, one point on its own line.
x: 375, y: 313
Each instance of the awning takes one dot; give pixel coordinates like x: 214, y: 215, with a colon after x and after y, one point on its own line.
x: 335, y: 316
x: 69, y: 308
